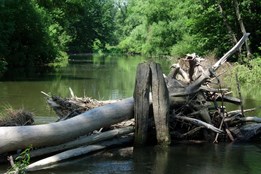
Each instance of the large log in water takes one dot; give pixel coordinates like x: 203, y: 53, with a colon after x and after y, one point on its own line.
x: 47, y: 162
x: 19, y: 137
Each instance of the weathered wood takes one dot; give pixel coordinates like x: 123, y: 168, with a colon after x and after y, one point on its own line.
x: 191, y: 132
x: 200, y: 104
x: 247, y: 132
x: 19, y: 137
x: 230, y: 52
x: 249, y: 119
x: 229, y: 99
x: 47, y: 162
x: 195, y: 69
x: 86, y: 140
x: 199, y: 123
x: 160, y: 102
x: 210, y: 72
x: 175, y: 70
x: 142, y: 103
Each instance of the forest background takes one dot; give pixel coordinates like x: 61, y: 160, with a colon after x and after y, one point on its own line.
x: 41, y: 33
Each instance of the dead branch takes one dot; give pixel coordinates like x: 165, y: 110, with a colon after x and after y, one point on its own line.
x: 230, y: 52
x: 199, y: 123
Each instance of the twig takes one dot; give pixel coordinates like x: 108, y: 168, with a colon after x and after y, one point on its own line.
x: 14, y: 167
x: 229, y: 133
x: 221, y: 113
x: 220, y: 126
x: 71, y: 92
x: 47, y: 95
x: 231, y: 113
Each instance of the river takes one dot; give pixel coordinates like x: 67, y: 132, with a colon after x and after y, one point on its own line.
x: 113, y: 77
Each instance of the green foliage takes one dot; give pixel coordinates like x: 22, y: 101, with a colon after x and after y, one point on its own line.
x: 94, y: 21
x: 148, y: 28
x: 37, y: 33
x: 31, y: 37
x: 157, y: 27
x: 188, y: 44
x: 21, y: 162
x: 249, y: 73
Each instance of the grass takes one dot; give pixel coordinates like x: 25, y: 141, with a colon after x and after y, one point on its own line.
x: 12, y: 117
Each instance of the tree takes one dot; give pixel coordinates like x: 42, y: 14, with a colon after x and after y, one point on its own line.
x: 30, y: 37
x: 94, y: 22
x: 178, y: 27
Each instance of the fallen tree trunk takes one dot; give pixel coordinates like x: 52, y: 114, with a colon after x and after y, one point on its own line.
x: 47, y: 162
x: 19, y: 137
x: 86, y: 140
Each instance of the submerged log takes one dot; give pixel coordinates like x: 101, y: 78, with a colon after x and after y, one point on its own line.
x: 20, y: 137
x: 47, y: 162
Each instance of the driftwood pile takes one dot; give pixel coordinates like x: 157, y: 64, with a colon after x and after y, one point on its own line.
x: 185, y: 105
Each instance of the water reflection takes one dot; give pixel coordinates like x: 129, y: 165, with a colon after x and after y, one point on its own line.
x: 106, y: 77
x: 198, y: 159
x: 177, y: 159
x: 103, y: 77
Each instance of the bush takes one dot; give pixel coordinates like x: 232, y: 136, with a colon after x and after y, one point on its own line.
x: 249, y: 72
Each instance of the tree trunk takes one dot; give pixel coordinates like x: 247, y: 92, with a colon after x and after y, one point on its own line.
x: 229, y: 29
x: 19, y: 137
x: 242, y: 26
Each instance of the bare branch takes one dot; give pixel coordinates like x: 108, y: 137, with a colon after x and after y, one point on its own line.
x: 230, y: 52
x: 199, y: 123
